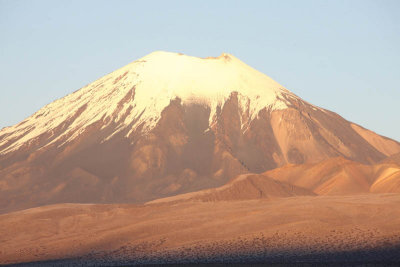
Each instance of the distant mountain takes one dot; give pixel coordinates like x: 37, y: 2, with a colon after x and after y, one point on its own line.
x: 168, y: 124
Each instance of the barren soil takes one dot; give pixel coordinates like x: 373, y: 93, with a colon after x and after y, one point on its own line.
x: 341, y: 229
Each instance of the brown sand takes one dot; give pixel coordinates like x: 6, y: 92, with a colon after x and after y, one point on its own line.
x: 311, y: 224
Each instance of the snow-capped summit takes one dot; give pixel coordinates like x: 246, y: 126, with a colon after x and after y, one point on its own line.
x: 141, y: 90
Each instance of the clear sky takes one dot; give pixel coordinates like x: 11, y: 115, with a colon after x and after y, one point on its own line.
x: 340, y: 55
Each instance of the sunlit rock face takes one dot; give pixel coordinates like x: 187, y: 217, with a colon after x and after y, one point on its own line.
x: 168, y: 124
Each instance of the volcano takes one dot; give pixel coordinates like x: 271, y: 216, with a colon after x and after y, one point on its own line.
x: 168, y: 124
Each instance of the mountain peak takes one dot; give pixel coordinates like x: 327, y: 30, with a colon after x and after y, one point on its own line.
x: 159, y: 54
x: 164, y: 57
x: 167, y: 124
x: 162, y: 76
x: 137, y: 94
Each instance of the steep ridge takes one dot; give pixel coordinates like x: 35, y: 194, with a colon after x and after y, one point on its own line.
x: 168, y: 124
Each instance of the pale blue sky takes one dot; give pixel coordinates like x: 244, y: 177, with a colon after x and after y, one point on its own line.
x: 340, y: 55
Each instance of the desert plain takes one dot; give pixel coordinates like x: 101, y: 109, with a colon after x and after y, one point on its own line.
x: 363, y: 228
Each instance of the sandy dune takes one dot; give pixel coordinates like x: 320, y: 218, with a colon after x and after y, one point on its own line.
x: 339, y: 176
x: 222, y: 230
x: 245, y: 186
x: 388, y: 180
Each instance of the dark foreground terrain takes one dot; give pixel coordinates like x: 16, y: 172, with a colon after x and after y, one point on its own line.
x: 213, y: 255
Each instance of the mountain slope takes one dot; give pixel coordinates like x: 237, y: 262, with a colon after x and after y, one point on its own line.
x: 168, y: 124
